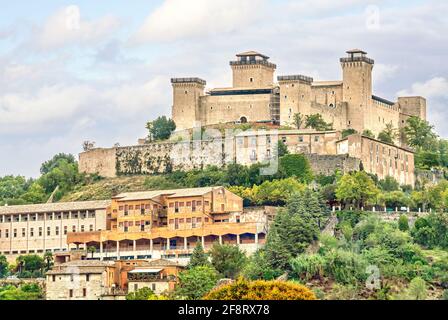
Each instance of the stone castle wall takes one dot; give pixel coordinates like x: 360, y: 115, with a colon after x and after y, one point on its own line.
x: 160, y: 158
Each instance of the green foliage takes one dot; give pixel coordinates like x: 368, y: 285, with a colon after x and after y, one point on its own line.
x: 389, y: 134
x: 345, y: 267
x: 142, y: 294
x: 161, y: 128
x: 298, y: 120
x: 56, y: 162
x: 357, y: 188
x: 30, y: 266
x: 196, y: 282
x: 389, y: 184
x: 296, y: 165
x: 348, y: 132
x: 199, y: 257
x: 294, y: 229
x: 431, y: 231
x: 403, y: 223
x: 395, y: 199
x: 22, y: 293
x: 3, y: 266
x: 417, y: 289
x: 228, y: 260
x: 368, y: 133
x: 282, y: 149
x: 420, y: 134
x: 316, y: 122
x: 307, y: 267
x: 259, y: 267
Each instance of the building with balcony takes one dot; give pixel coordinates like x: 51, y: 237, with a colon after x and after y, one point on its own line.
x: 168, y: 224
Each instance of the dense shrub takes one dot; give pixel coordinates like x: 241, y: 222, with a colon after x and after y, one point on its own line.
x: 261, y: 290
x: 306, y: 267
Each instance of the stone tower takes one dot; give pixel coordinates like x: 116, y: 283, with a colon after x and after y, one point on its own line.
x: 357, y: 89
x: 252, y: 70
x: 295, y: 97
x: 186, y: 101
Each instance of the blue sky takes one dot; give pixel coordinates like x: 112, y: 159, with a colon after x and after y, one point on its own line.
x: 98, y: 70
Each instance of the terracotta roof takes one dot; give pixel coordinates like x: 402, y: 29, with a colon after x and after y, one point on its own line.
x: 55, y: 207
x: 130, y: 196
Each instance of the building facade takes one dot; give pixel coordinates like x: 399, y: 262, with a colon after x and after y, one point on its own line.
x: 256, y: 97
x: 35, y: 229
x: 169, y: 223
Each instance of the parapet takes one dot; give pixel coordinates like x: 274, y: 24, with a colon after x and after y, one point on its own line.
x: 297, y: 77
x: 189, y: 80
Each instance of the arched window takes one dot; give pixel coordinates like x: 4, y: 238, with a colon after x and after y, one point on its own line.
x: 243, y: 120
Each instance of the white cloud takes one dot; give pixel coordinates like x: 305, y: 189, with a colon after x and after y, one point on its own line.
x: 178, y: 19
x: 67, y: 27
x: 433, y: 88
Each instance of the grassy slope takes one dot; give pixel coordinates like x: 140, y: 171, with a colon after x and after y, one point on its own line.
x: 106, y: 188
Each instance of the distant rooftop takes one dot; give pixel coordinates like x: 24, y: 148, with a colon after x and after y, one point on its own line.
x: 192, y: 192
x: 55, y: 207
x: 189, y: 80
x: 251, y: 53
x: 356, y: 51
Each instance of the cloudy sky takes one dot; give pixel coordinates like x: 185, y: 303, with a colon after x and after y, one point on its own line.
x: 98, y: 70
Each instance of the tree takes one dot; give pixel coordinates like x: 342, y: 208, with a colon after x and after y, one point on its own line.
x: 237, y: 175
x: 161, y: 128
x: 389, y: 184
x: 420, y: 134
x: 282, y: 149
x: 368, y: 133
x: 316, y: 122
x: 261, y: 290
x: 389, y: 134
x: 296, y: 165
x: 141, y: 294
x: 357, y: 189
x: 3, y: 266
x: 198, y: 257
x: 298, y: 120
x: 56, y: 161
x: 48, y: 257
x: 403, y: 223
x: 228, y: 260
x: 258, y: 267
x: 196, y: 282
x: 292, y: 231
x: 348, y: 132
x: 29, y: 265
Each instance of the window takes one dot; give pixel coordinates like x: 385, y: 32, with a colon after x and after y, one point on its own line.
x: 251, y: 79
x: 91, y: 228
x: 15, y: 233
x: 301, y: 139
x: 23, y: 232
x: 53, y: 278
x: 84, y: 292
x: 199, y: 203
x: 57, y: 231
x: 316, y: 139
x: 72, y: 277
x: 87, y: 277
x: 65, y: 230
x: 82, y: 228
x: 153, y: 287
x: 70, y: 293
x: 73, y: 228
x: 48, y: 231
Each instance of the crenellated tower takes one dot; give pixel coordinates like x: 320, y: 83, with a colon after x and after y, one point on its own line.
x: 357, y: 88
x: 187, y: 93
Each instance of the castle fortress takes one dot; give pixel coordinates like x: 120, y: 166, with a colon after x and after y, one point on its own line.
x: 256, y: 97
